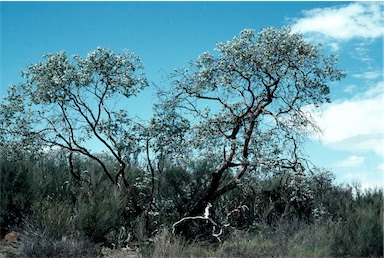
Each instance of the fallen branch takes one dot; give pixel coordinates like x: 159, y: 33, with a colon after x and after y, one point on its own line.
x: 205, y: 217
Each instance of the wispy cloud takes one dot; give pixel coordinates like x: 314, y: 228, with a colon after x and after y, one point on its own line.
x: 352, y: 161
x: 369, y: 75
x: 361, y: 143
x: 361, y: 51
x: 350, y: 88
x: 355, y: 20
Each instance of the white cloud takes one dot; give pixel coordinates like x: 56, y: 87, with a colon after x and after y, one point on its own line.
x: 352, y: 161
x: 369, y: 75
x: 356, y: 20
x: 367, y: 142
x: 355, y: 124
x: 335, y: 47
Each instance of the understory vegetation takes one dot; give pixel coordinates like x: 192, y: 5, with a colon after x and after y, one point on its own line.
x: 286, y: 215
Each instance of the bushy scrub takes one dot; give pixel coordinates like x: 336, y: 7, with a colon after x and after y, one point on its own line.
x: 286, y: 238
x: 359, y: 232
x: 15, y: 193
x: 99, y: 209
x: 280, y: 215
x: 179, y: 189
x: 29, y: 182
x: 55, y: 218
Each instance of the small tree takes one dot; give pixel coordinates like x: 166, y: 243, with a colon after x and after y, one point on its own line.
x: 248, y: 105
x: 67, y: 102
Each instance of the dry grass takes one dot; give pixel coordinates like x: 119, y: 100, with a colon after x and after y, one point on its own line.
x: 38, y: 242
x: 287, y: 239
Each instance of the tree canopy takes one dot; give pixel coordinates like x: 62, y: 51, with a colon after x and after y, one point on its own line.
x: 249, y: 103
x: 67, y: 102
x: 245, y: 108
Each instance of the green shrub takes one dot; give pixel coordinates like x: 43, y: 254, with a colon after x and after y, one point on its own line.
x: 27, y: 181
x: 50, y: 232
x: 288, y: 215
x: 359, y: 232
x: 100, y: 210
x: 56, y: 218
x: 15, y: 193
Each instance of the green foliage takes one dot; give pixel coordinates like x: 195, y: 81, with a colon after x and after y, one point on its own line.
x: 180, y: 189
x: 65, y: 102
x: 359, y: 232
x: 270, y: 76
x: 99, y: 211
x: 59, y: 216
x: 30, y: 183
x: 269, y: 199
x: 54, y: 217
x: 287, y: 238
x: 15, y: 193
x: 245, y: 108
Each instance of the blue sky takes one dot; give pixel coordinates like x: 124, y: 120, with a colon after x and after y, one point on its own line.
x: 167, y: 35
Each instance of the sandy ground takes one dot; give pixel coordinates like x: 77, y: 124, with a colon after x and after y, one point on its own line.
x: 119, y: 253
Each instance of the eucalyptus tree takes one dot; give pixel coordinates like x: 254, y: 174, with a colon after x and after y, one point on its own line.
x: 70, y: 102
x: 248, y: 104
